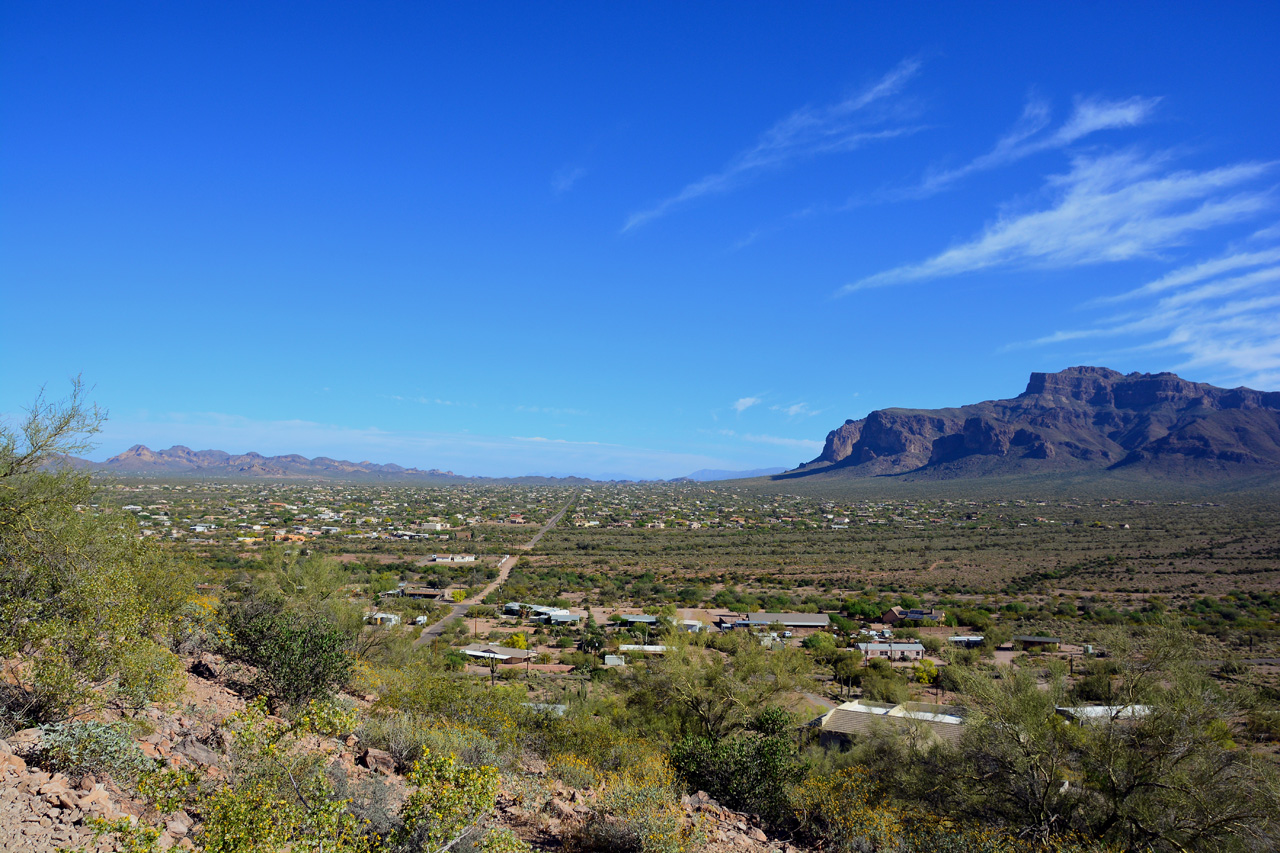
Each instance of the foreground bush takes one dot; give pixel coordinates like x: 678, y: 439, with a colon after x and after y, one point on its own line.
x: 278, y: 795
x: 751, y: 771
x: 84, y: 604
x: 299, y: 657
x: 77, y: 748
x: 848, y: 811
x: 639, y: 810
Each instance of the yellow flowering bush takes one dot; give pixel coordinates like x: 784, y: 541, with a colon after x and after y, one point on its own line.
x: 572, y: 770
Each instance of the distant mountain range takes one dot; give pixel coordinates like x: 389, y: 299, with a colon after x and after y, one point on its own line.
x: 141, y: 459
x: 1081, y: 419
x: 183, y: 461
x: 179, y: 461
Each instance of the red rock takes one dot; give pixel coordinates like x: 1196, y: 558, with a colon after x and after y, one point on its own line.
x: 379, y: 760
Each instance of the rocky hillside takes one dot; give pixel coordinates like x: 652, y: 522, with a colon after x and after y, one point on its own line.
x: 44, y: 810
x: 1083, y: 418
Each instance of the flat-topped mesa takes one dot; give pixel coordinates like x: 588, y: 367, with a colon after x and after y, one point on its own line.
x: 1086, y: 384
x: 1078, y: 418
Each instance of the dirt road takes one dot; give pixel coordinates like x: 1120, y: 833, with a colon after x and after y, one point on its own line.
x: 430, y: 632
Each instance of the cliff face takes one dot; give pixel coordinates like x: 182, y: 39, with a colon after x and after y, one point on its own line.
x: 1080, y: 418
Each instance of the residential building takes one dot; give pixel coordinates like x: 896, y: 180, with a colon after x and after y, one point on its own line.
x: 488, y: 651
x: 862, y: 718
x: 892, y: 651
x: 793, y: 621
x: 894, y: 615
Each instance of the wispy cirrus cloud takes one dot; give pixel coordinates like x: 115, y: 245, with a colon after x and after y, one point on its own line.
x: 744, y: 403
x: 1030, y: 135
x: 1108, y: 208
x: 1219, y: 316
x: 1197, y: 272
x: 564, y: 179
x: 807, y: 132
x: 796, y: 410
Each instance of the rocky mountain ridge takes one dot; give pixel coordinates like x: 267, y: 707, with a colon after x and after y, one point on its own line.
x: 1079, y: 419
x: 183, y: 460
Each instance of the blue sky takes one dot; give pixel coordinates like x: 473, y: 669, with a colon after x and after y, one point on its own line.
x: 629, y: 238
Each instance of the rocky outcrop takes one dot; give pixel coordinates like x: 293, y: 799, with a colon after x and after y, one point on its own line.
x: 1080, y: 418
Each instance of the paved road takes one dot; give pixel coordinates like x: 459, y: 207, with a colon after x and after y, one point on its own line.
x: 430, y: 632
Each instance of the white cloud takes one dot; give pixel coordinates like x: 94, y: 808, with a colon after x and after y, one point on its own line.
x: 1110, y: 208
x: 796, y: 410
x: 745, y: 403
x: 1223, y: 325
x: 1089, y: 116
x: 564, y: 180
x: 807, y: 132
x: 1199, y: 272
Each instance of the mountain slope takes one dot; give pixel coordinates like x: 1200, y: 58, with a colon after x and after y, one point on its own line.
x: 1083, y: 418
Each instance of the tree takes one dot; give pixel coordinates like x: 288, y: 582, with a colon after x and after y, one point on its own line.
x: 1168, y: 777
x: 86, y: 607
x: 847, y: 668
x: 819, y: 642
x: 751, y: 771
x: 713, y: 696
x: 300, y: 657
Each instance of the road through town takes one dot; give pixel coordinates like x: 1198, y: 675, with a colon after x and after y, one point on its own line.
x: 430, y: 632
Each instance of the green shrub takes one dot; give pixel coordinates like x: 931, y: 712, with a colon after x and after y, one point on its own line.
x: 639, y: 811
x: 77, y: 748
x: 408, y: 737
x: 299, y: 658
x: 748, y: 772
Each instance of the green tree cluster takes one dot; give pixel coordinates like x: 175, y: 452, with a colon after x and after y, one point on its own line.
x: 87, y: 608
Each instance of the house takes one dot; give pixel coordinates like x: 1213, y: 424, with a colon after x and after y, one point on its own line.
x: 1090, y: 714
x: 615, y: 660
x: 969, y: 642
x: 894, y: 615
x: 1035, y: 643
x: 892, y: 651
x: 793, y: 621
x: 630, y: 620
x: 387, y: 619
x: 541, y: 613
x: 489, y: 651
x: 426, y: 593
x: 861, y: 718
x: 453, y: 558
x: 648, y: 650
x: 692, y: 626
